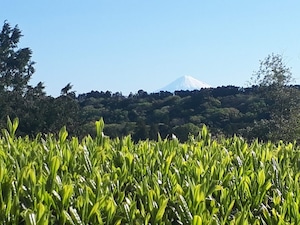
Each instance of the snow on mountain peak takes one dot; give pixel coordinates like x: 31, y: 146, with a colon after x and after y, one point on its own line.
x: 185, y: 83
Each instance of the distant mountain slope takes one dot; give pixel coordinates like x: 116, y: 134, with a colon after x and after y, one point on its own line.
x: 185, y: 83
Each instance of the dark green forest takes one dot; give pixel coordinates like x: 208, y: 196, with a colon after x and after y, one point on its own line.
x: 267, y: 110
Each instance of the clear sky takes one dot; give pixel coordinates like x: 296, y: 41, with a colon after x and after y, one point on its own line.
x: 127, y: 45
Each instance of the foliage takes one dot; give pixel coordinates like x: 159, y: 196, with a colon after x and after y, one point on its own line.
x: 17, y: 97
x: 273, y: 71
x: 16, y: 67
x: 36, y: 111
x: 282, y: 100
x: 55, y: 180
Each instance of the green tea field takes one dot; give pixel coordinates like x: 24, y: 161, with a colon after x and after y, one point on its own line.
x: 63, y: 180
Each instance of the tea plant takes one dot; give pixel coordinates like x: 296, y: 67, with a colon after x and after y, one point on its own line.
x: 61, y: 180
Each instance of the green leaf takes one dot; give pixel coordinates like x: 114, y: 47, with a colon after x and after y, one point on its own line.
x: 40, y: 210
x: 168, y: 162
x: 67, y: 193
x: 111, y: 208
x: 31, y: 173
x: 197, y: 220
x: 161, y: 210
x: 261, y: 178
x: 95, y: 210
x: 199, y: 195
x: 54, y: 165
x: 15, y: 125
x: 99, y: 127
x: 63, y: 134
x: 42, y: 217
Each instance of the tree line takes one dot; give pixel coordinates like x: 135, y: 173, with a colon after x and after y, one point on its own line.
x: 267, y: 110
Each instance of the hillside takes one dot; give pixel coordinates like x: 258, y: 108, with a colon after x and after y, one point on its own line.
x: 225, y: 110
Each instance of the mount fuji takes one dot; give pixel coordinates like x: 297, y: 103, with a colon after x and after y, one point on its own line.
x: 186, y: 83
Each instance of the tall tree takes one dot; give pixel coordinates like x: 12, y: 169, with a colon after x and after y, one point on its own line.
x: 17, y: 97
x: 273, y: 79
x: 273, y: 72
x: 16, y: 67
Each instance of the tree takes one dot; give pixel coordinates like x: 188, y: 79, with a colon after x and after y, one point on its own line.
x: 272, y: 72
x: 16, y: 67
x: 17, y: 97
x: 273, y: 79
x: 67, y: 90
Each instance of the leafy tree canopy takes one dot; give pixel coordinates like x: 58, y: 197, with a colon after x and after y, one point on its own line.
x: 273, y: 71
x: 16, y: 67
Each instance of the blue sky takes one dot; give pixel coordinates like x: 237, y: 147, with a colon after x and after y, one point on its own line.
x: 127, y: 45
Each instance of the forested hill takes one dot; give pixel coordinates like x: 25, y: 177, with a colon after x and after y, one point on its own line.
x: 225, y: 110
x: 254, y: 112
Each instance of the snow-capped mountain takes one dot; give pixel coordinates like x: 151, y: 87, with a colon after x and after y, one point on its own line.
x: 186, y: 83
